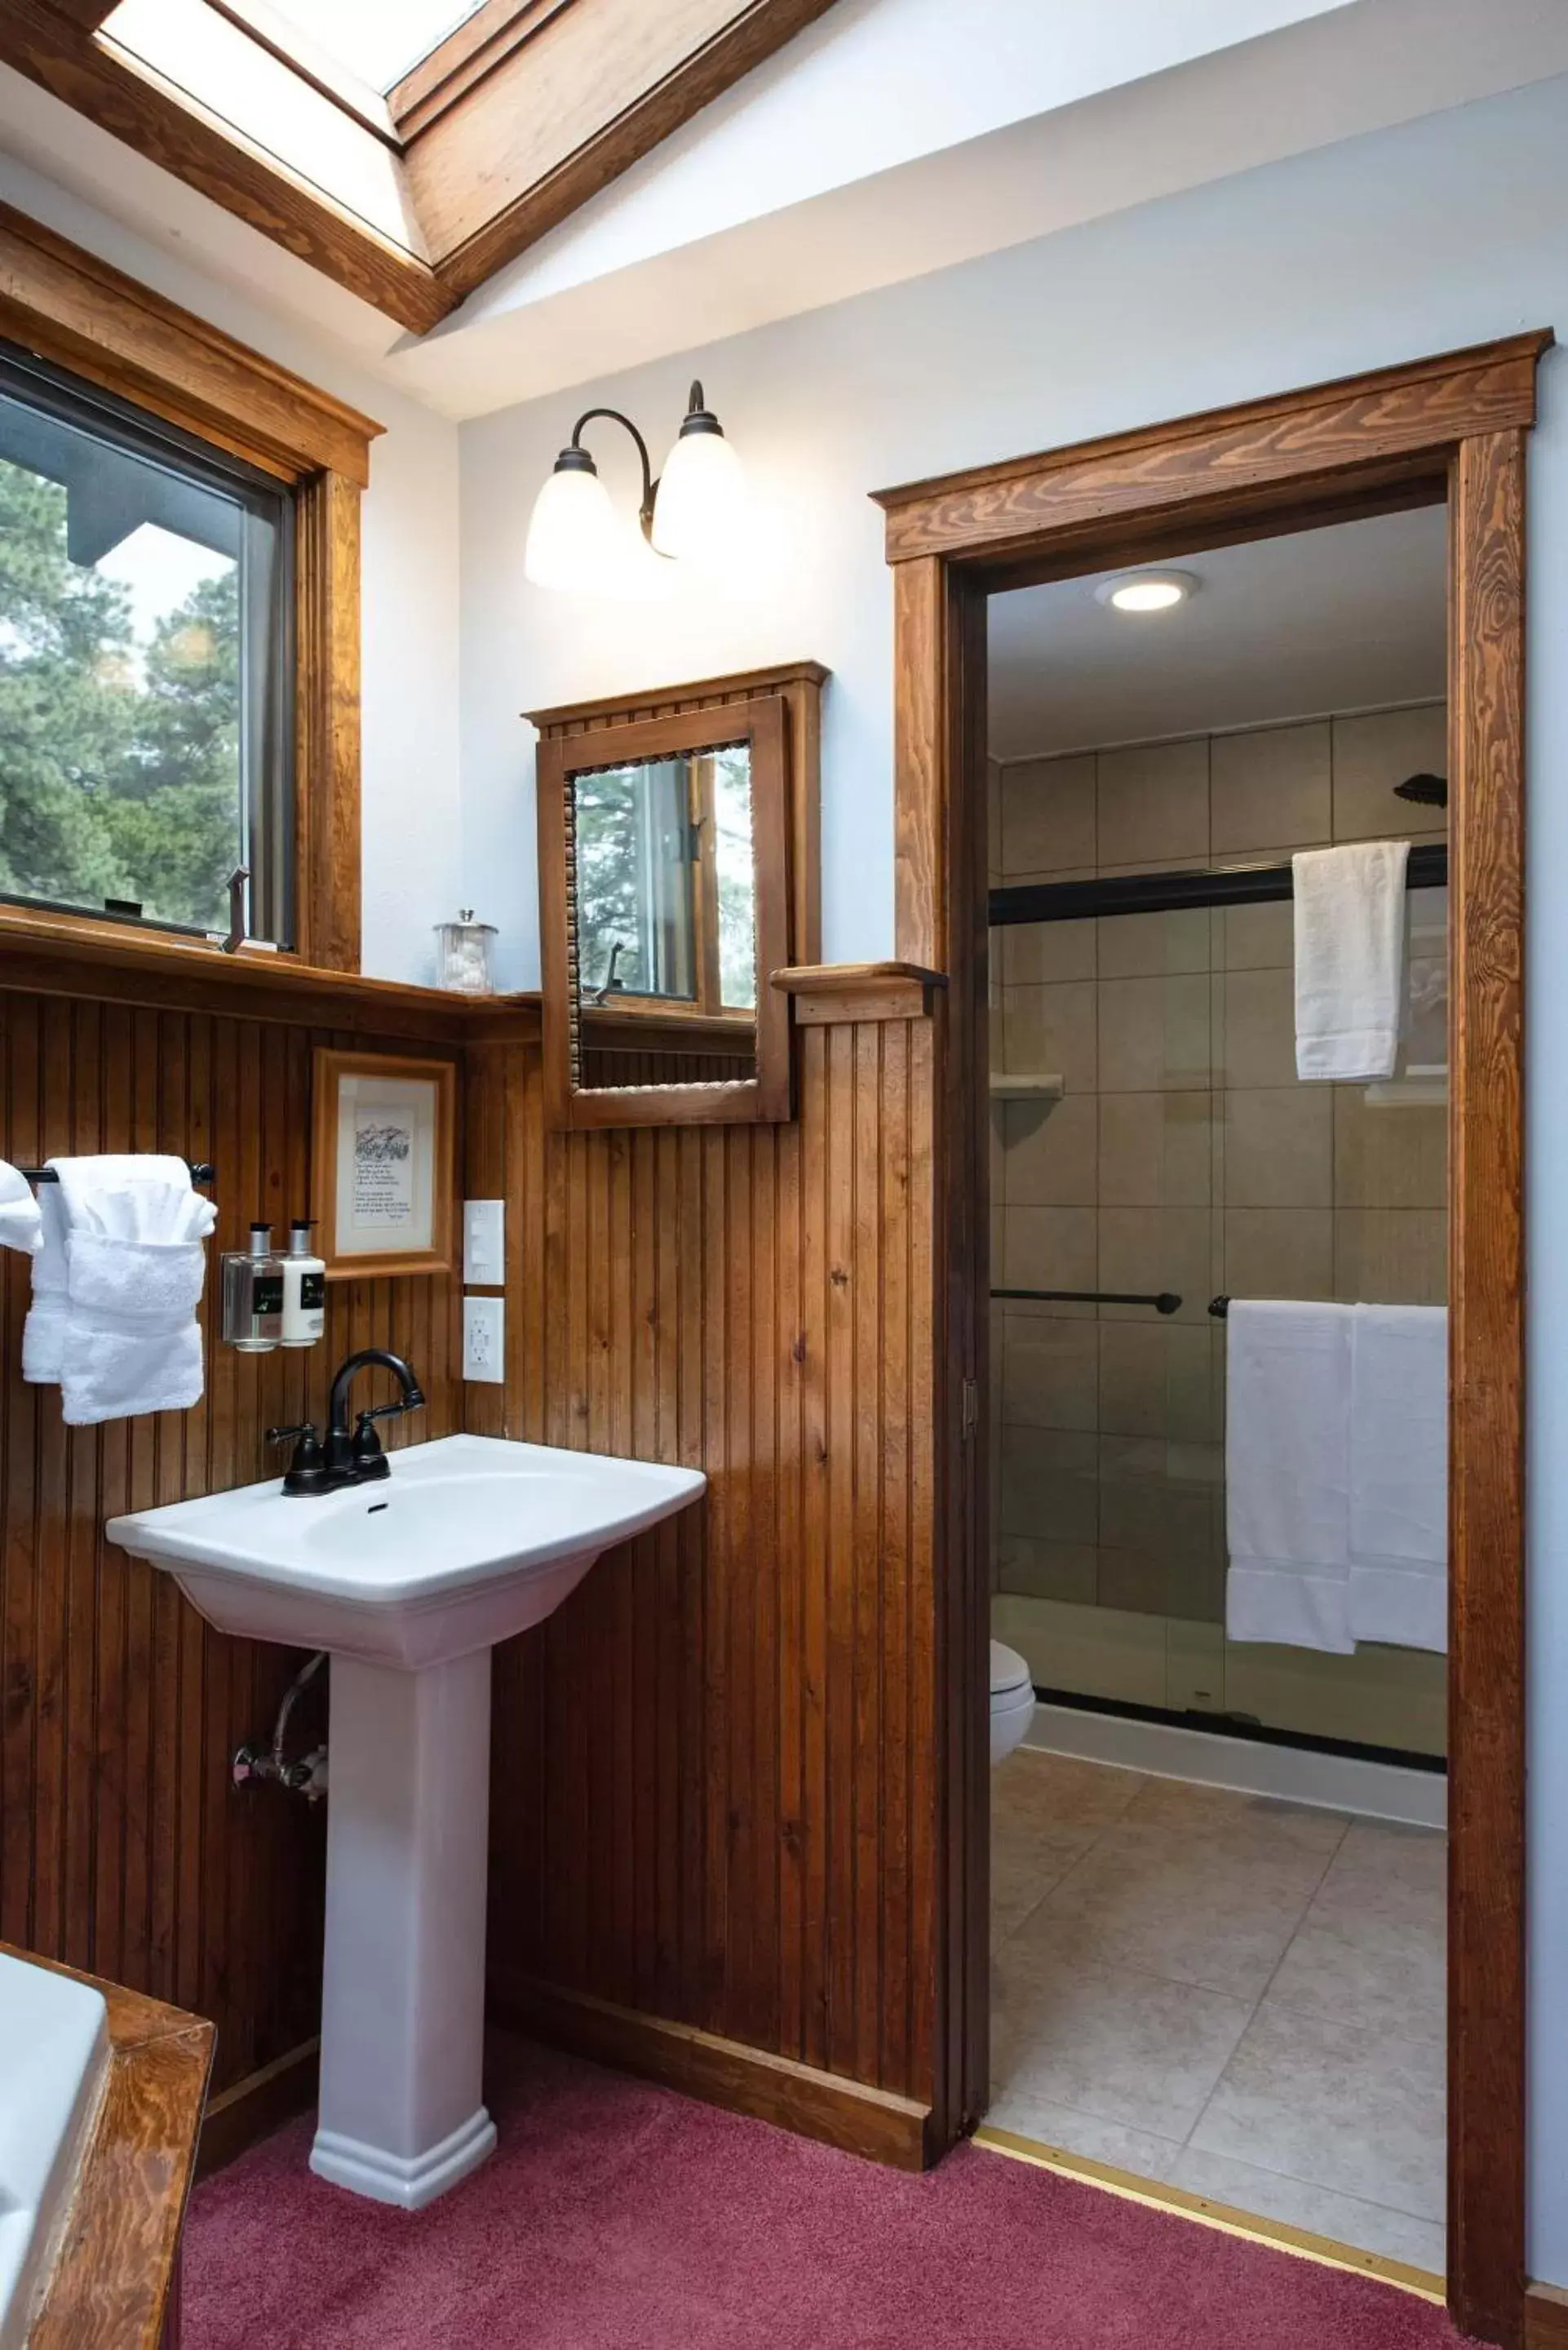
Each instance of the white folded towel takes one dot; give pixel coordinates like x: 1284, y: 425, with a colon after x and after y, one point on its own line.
x: 1287, y: 1474
x: 1350, y: 958
x: 44, y: 1333
x: 116, y: 1288
x: 21, y: 1223
x: 1399, y: 1476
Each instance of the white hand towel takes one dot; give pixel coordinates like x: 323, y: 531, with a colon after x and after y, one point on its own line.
x: 44, y: 1333
x: 1350, y: 958
x: 1400, y: 1476
x: 21, y: 1223
x: 1287, y: 1474
x: 121, y: 1334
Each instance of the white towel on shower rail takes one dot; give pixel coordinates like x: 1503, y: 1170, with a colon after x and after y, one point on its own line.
x: 1287, y: 1474
x: 1400, y: 1476
x: 21, y: 1225
x: 1350, y: 958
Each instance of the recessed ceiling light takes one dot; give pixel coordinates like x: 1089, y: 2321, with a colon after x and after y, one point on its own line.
x: 1146, y: 591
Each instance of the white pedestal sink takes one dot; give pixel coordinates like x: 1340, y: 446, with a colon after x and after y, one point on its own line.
x: 409, y: 1583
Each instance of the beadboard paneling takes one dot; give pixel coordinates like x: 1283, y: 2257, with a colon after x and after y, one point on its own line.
x: 123, y: 1848
x: 715, y: 1798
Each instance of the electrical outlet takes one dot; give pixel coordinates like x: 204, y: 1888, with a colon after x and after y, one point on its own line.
x: 485, y: 1338
x: 484, y: 1244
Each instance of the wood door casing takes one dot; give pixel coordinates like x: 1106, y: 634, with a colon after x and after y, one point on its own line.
x: 1453, y: 424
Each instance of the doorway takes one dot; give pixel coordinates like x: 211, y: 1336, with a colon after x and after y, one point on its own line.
x: 1218, y: 1852
x: 1451, y: 429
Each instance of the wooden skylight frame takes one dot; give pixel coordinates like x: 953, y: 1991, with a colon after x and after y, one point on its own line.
x: 471, y: 164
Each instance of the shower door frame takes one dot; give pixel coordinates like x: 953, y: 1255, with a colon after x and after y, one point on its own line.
x: 1452, y: 429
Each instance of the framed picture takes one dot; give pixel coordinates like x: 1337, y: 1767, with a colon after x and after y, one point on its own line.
x: 382, y: 1164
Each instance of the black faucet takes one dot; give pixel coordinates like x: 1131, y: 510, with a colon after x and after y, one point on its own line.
x: 346, y: 1460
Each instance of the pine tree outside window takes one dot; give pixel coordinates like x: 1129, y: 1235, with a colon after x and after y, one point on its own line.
x: 146, y: 699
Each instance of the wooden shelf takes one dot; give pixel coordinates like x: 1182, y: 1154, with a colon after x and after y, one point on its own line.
x: 40, y: 954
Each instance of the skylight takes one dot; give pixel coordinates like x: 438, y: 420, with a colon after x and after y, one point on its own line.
x: 379, y: 40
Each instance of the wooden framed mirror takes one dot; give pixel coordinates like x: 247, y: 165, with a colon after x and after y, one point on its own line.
x: 677, y: 847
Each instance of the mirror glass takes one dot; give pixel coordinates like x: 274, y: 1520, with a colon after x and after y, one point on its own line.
x: 664, y: 935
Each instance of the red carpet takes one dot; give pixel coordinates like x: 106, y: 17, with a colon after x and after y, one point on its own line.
x: 615, y: 2216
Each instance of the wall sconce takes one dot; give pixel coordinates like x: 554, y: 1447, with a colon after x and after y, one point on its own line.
x: 692, y: 513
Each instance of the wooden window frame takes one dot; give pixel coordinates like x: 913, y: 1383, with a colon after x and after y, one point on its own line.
x: 1452, y: 428
x: 777, y: 710
x: 73, y: 310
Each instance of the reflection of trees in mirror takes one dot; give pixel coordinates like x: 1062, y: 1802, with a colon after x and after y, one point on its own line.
x: 736, y: 878
x: 664, y: 886
x: 121, y: 759
x: 633, y: 857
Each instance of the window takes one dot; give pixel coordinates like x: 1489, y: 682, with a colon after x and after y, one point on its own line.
x: 145, y: 663
x: 665, y: 889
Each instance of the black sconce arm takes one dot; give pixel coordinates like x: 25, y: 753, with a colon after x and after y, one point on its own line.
x: 645, y: 512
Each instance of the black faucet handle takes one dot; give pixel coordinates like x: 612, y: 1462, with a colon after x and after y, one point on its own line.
x: 386, y: 1411
x: 306, y: 1472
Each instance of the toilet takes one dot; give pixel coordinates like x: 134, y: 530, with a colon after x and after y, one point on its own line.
x: 1011, y: 1701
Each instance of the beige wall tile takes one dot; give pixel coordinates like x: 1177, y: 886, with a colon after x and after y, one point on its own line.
x: 1051, y: 1031
x: 1271, y: 789
x: 1050, y: 1372
x: 1195, y: 1384
x: 1385, y: 1157
x: 1154, y: 802
x: 1047, y: 1570
x: 1036, y: 952
x: 1142, y: 946
x: 1195, y: 1590
x: 1147, y: 1250
x: 1260, y: 1028
x: 1047, y: 817
x: 1049, y: 1489
x: 1391, y: 1256
x: 1259, y: 938
x: 1156, y: 1516
x: 1154, y: 1034
x: 1279, y: 1147
x: 1133, y: 1399
x: 1048, y: 1157
x: 1373, y: 753
x: 1156, y: 1149
x: 1133, y: 1579
x: 1279, y: 1253
x: 1049, y: 1248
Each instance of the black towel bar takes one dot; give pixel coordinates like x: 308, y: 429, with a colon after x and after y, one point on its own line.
x: 1166, y: 1301
x: 201, y: 1172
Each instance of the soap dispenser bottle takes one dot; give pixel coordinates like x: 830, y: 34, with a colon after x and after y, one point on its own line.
x: 304, y: 1288
x: 253, y: 1295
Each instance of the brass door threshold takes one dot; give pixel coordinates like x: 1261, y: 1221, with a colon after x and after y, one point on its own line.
x: 1225, y: 2217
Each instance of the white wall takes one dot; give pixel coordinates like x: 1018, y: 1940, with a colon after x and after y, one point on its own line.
x: 1447, y: 232
x: 410, y: 592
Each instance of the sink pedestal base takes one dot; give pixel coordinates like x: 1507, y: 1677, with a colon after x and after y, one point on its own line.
x: 402, y: 2113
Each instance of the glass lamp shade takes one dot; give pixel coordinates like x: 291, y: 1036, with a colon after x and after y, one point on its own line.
x: 700, y: 513
x: 574, y: 538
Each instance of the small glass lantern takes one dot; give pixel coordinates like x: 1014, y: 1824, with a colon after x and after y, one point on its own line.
x: 463, y: 956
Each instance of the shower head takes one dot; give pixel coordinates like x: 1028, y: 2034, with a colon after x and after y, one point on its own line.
x: 1427, y: 791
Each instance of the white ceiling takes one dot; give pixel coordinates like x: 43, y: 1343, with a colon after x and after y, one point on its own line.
x: 1343, y: 619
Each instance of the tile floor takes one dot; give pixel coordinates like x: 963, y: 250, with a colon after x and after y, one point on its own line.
x: 1239, y: 1997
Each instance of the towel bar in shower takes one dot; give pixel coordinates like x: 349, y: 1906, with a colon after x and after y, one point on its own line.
x: 1165, y: 1301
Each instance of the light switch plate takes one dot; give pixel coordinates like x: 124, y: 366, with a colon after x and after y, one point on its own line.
x: 484, y: 1242
x: 485, y: 1338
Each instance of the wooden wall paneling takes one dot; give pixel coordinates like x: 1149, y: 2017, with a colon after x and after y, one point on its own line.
x: 715, y: 1772
x: 328, y: 849
x: 1486, y: 1437
x: 122, y: 1846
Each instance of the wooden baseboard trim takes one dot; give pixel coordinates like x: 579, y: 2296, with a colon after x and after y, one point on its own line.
x: 875, y: 2122
x: 1545, y: 2317
x: 252, y: 2109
